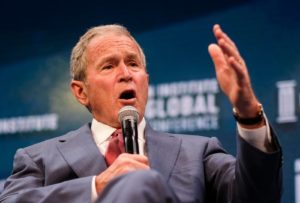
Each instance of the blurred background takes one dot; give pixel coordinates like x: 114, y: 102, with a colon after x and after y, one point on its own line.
x: 36, y: 39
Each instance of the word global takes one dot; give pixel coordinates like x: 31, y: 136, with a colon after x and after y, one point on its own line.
x: 184, y: 106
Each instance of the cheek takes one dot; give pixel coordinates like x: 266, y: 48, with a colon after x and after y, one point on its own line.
x: 101, y: 93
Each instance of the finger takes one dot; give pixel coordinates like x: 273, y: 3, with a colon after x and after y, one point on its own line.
x: 228, y: 40
x: 228, y: 46
x: 125, y: 166
x: 220, y: 34
x: 230, y: 51
x: 131, y: 165
x: 240, y: 71
x: 129, y: 162
x: 137, y: 157
x: 219, y: 59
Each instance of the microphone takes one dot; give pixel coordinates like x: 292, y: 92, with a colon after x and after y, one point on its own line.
x: 128, y: 117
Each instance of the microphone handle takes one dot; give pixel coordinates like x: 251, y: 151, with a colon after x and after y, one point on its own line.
x: 130, y: 136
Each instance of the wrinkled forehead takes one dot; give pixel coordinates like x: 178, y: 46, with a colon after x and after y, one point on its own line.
x: 103, y: 43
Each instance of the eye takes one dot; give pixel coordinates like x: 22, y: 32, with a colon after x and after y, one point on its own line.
x: 133, y: 64
x: 107, y: 67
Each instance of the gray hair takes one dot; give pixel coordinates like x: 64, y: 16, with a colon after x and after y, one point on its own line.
x: 78, y: 61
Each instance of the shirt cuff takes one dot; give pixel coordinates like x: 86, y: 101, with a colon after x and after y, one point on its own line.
x: 260, y: 137
x: 94, y: 191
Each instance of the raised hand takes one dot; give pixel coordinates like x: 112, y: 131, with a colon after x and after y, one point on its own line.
x: 232, y: 74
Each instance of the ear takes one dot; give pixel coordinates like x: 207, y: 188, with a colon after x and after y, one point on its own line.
x: 79, y: 91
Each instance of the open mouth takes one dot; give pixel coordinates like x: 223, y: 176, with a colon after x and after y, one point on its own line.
x: 128, y: 94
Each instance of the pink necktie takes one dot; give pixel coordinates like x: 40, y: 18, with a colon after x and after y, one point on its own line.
x: 115, y: 147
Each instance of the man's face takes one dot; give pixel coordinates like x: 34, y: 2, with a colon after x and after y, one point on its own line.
x: 115, y: 77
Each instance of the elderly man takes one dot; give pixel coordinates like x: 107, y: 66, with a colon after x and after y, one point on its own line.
x: 108, y: 70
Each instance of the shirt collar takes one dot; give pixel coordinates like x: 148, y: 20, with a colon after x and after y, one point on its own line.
x: 101, y: 132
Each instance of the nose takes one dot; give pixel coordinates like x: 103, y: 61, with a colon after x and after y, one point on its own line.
x: 125, y: 73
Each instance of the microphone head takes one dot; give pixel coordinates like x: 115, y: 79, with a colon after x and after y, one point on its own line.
x: 128, y: 112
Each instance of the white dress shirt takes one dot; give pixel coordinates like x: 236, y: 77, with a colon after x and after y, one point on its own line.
x: 102, y: 134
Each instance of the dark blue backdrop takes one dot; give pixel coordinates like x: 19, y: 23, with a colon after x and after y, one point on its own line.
x: 36, y: 102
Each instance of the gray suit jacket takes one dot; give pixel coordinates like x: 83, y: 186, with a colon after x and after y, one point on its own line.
x: 197, y: 168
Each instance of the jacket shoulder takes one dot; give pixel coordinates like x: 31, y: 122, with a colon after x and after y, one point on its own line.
x: 49, y: 143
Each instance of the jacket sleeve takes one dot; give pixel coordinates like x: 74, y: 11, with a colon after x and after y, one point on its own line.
x: 26, y: 184
x: 253, y: 176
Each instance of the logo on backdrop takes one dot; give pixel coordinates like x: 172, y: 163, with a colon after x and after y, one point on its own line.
x: 184, y: 106
x: 287, y: 97
x: 27, y: 124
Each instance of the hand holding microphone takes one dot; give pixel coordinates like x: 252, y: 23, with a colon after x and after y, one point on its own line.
x: 128, y: 117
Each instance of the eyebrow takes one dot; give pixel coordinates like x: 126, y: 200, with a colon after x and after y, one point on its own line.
x: 112, y: 57
x: 132, y: 56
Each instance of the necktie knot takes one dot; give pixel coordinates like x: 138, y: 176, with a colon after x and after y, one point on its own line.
x: 115, y: 147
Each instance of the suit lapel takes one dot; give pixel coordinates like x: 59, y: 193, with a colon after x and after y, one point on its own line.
x: 83, y: 156
x: 163, y: 150
x: 81, y: 152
